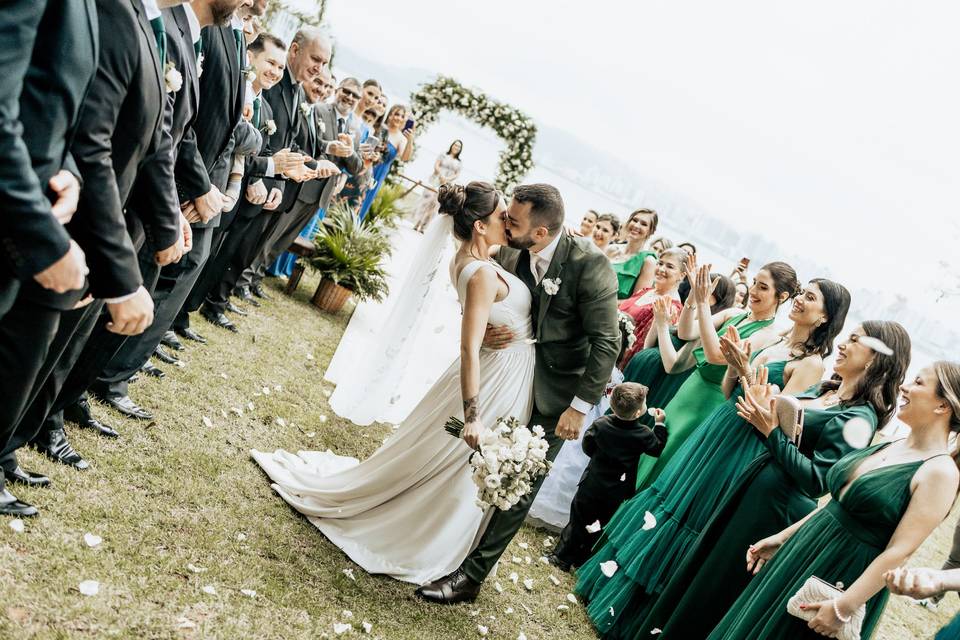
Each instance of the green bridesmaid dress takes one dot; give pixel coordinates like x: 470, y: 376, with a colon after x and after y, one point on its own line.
x: 778, y: 488
x: 681, y: 499
x: 836, y: 545
x: 699, y: 395
x: 628, y: 271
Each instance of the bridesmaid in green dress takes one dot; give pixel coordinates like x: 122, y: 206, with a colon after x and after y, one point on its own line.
x: 633, y: 264
x: 686, y: 493
x: 702, y: 392
x: 886, y: 500
x: 783, y: 483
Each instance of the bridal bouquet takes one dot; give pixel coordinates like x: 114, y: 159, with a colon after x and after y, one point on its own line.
x: 511, y: 458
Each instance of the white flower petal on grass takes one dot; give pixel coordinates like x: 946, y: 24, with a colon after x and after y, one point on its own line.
x: 281, y: 422
x: 562, y: 607
x: 341, y: 628
x: 475, y: 613
x: 554, y: 579
x: 207, y: 422
x: 508, y: 610
x: 497, y: 587
x: 224, y: 376
x: 323, y: 419
x: 594, y: 527
x: 18, y: 525
x: 186, y: 623
x: 310, y: 434
x: 516, y: 560
x: 544, y: 560
x: 521, y: 636
x: 236, y: 410
x: 346, y: 613
x: 528, y: 559
x: 180, y: 364
x: 195, y: 569
x: 367, y: 627
x: 241, y: 537
x: 89, y: 587
x: 223, y: 413
x: 250, y: 406
x: 266, y: 391
x: 572, y: 599
x: 278, y: 388
x: 609, y: 568
x: 528, y: 583
x: 349, y: 574
x: 482, y: 630
x: 523, y: 545
x: 857, y: 432
x: 649, y: 521
x: 514, y: 577
x: 548, y: 542
x: 249, y: 592
x: 309, y: 356
x: 209, y: 589
x: 527, y: 609
x: 92, y: 540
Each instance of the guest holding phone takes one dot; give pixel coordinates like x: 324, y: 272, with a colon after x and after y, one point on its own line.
x: 634, y: 265
x: 401, y: 131
x: 691, y: 486
x: 782, y: 485
x: 885, y: 501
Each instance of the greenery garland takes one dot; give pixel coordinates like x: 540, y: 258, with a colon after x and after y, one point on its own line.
x: 511, y: 124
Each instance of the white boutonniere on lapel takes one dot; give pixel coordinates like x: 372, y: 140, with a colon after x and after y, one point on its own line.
x: 249, y: 74
x: 270, y: 127
x: 305, y: 109
x: 200, y: 65
x: 321, y: 126
x: 551, y: 285
x: 172, y: 80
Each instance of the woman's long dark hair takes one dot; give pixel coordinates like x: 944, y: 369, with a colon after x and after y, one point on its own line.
x: 450, y: 150
x: 881, y: 382
x: 724, y: 292
x: 836, y: 303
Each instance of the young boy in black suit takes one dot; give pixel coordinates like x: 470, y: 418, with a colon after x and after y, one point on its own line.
x: 614, y: 443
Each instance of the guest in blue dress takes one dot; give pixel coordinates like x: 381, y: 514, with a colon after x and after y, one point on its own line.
x: 399, y: 143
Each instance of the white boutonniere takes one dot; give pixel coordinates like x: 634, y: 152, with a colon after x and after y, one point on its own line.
x: 200, y: 65
x: 270, y: 127
x: 172, y: 80
x: 249, y: 74
x: 321, y: 126
x: 551, y: 285
x: 305, y: 109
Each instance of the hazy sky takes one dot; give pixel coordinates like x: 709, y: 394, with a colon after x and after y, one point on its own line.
x: 833, y: 125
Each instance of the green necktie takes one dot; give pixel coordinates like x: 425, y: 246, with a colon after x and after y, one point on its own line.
x: 198, y: 46
x: 238, y: 36
x: 161, y: 34
x: 256, y: 112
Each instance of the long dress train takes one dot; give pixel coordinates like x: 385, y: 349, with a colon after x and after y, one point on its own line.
x: 409, y: 510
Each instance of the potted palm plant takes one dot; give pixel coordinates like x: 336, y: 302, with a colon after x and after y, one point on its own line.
x: 349, y: 258
x: 385, y: 209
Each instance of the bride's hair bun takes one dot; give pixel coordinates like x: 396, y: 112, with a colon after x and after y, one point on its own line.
x: 452, y: 198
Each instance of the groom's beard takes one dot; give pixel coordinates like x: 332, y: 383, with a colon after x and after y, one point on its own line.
x: 524, y: 242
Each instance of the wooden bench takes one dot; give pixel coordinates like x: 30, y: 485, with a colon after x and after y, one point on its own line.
x: 302, y: 248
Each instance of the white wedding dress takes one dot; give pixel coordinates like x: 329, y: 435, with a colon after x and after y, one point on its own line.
x: 409, y: 510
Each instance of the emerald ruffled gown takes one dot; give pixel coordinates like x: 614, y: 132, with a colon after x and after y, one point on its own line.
x: 778, y: 488
x: 699, y: 395
x: 682, y: 499
x: 836, y: 545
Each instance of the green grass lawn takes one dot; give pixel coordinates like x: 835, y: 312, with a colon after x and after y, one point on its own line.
x: 178, y: 494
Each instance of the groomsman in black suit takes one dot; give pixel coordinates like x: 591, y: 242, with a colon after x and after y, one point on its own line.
x: 48, y: 51
x: 120, y: 130
x: 219, y: 105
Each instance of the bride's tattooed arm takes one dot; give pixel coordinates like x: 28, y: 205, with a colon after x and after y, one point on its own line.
x: 471, y: 411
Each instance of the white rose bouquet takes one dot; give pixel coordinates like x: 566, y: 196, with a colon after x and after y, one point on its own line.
x: 510, y: 460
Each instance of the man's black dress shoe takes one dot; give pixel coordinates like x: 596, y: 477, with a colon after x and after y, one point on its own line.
x: 10, y: 506
x: 152, y: 370
x: 26, y: 478
x: 560, y: 564
x: 129, y: 408
x: 244, y: 294
x: 54, y: 445
x: 451, y: 589
x: 257, y: 290
x: 218, y: 319
x: 170, y: 340
x: 79, y: 413
x: 190, y: 334
x: 163, y: 355
x: 232, y: 308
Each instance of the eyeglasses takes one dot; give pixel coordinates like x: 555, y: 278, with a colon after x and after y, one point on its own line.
x: 350, y: 94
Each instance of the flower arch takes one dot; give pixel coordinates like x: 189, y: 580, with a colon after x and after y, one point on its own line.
x: 511, y: 124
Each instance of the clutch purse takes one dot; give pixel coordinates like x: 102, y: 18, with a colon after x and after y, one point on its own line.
x: 816, y: 590
x: 790, y: 416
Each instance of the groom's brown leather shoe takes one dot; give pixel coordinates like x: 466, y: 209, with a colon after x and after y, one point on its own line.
x: 451, y: 589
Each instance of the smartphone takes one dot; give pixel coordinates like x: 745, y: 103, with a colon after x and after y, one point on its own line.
x: 790, y: 416
x: 409, y: 125
x: 373, y: 142
x: 744, y: 263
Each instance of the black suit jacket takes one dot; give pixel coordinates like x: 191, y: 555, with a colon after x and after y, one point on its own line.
x: 615, y: 447
x: 48, y: 54
x: 325, y: 126
x: 255, y: 168
x: 285, y: 98
x: 121, y: 126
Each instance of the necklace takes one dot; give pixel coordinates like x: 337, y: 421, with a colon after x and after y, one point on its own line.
x: 831, y: 399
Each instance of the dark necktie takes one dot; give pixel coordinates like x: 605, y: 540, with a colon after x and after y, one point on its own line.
x: 256, y: 112
x: 238, y: 36
x: 161, y: 35
x: 340, y: 123
x: 198, y: 46
x: 524, y: 272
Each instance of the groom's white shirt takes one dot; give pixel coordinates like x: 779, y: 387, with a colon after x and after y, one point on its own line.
x: 539, y: 264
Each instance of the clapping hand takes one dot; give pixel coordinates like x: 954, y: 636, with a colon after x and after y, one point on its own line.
x: 735, y: 351
x: 703, y: 287
x: 914, y: 583
x: 663, y: 310
x: 342, y: 148
x: 285, y: 161
x: 326, y: 169
x: 756, y: 404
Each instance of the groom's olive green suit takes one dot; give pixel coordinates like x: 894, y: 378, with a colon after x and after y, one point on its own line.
x: 578, y: 340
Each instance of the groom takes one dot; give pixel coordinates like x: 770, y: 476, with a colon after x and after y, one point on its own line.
x: 578, y: 339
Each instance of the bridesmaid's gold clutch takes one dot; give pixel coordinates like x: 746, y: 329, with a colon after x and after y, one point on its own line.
x: 816, y: 590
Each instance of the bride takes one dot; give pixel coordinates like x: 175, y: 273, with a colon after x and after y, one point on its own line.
x: 408, y: 511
